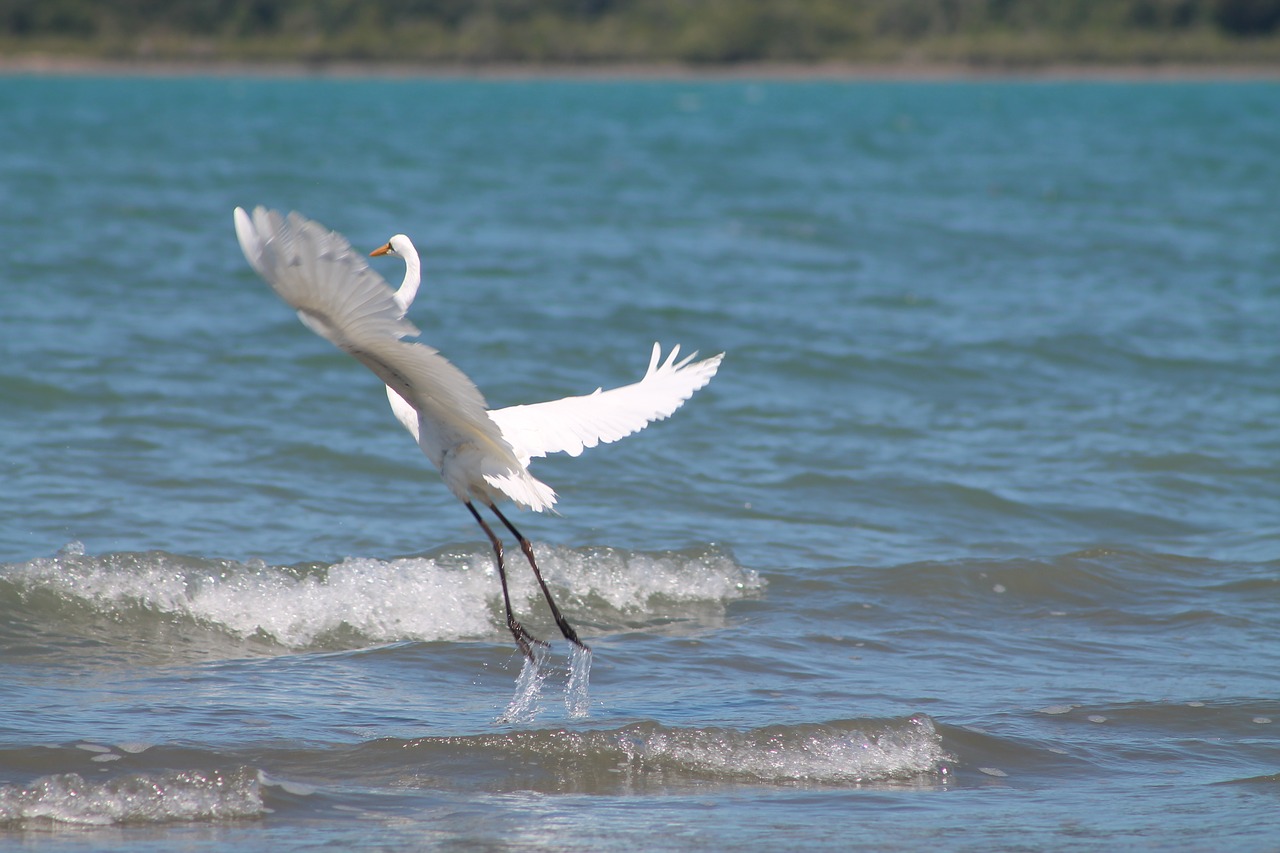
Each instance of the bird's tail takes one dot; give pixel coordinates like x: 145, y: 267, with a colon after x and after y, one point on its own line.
x: 523, y: 488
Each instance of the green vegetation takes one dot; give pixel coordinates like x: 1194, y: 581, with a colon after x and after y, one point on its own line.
x: 999, y: 33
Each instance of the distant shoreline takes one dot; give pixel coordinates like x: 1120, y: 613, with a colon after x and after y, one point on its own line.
x: 36, y: 65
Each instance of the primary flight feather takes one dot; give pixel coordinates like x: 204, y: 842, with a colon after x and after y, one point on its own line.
x: 482, y: 454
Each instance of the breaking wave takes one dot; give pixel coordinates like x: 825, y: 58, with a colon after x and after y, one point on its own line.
x: 362, y: 600
x: 649, y: 755
x: 189, y: 795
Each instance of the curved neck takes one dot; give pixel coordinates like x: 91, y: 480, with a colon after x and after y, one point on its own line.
x: 412, y: 278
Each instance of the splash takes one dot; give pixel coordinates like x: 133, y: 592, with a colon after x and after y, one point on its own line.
x: 525, y: 704
x: 68, y: 798
x: 577, y: 701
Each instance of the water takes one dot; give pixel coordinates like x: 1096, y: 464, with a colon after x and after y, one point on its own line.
x: 973, y: 543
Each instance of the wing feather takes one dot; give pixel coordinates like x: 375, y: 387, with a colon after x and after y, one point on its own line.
x: 316, y: 271
x: 572, y: 424
x: 340, y: 298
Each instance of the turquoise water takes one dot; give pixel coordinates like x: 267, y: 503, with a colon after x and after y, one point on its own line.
x: 973, y: 542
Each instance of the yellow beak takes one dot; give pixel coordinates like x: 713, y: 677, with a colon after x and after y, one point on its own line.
x: 381, y: 250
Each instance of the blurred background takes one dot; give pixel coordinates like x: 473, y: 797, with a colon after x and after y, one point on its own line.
x: 908, y: 33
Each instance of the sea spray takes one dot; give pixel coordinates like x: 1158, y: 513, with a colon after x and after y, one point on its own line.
x: 524, y: 706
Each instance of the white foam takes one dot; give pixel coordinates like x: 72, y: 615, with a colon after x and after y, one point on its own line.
x: 632, y: 581
x: 188, y: 795
x: 825, y: 754
x: 385, y: 601
x: 415, y: 598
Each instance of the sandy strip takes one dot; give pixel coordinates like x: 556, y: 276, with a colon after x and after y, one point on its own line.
x: 907, y: 71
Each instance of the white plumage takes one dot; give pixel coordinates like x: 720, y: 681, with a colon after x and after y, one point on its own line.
x: 482, y: 454
x: 573, y: 424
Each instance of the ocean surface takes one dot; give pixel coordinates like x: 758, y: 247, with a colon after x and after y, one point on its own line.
x: 972, y: 544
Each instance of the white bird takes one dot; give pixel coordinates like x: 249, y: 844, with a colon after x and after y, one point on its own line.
x: 482, y: 454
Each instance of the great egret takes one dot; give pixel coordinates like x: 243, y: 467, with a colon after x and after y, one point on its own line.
x: 482, y: 454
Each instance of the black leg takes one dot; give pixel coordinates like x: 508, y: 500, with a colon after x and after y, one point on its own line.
x: 523, y: 637
x: 526, y: 546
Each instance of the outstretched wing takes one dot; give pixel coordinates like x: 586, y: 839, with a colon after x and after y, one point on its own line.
x: 574, y: 423
x: 317, y: 272
x: 341, y: 299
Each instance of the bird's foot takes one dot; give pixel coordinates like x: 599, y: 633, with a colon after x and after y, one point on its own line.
x: 526, y: 641
x: 569, y: 634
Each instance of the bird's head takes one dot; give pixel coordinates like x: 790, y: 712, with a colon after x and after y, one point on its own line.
x: 398, y: 245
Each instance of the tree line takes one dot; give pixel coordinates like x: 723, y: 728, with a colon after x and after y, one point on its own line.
x: 1001, y: 32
